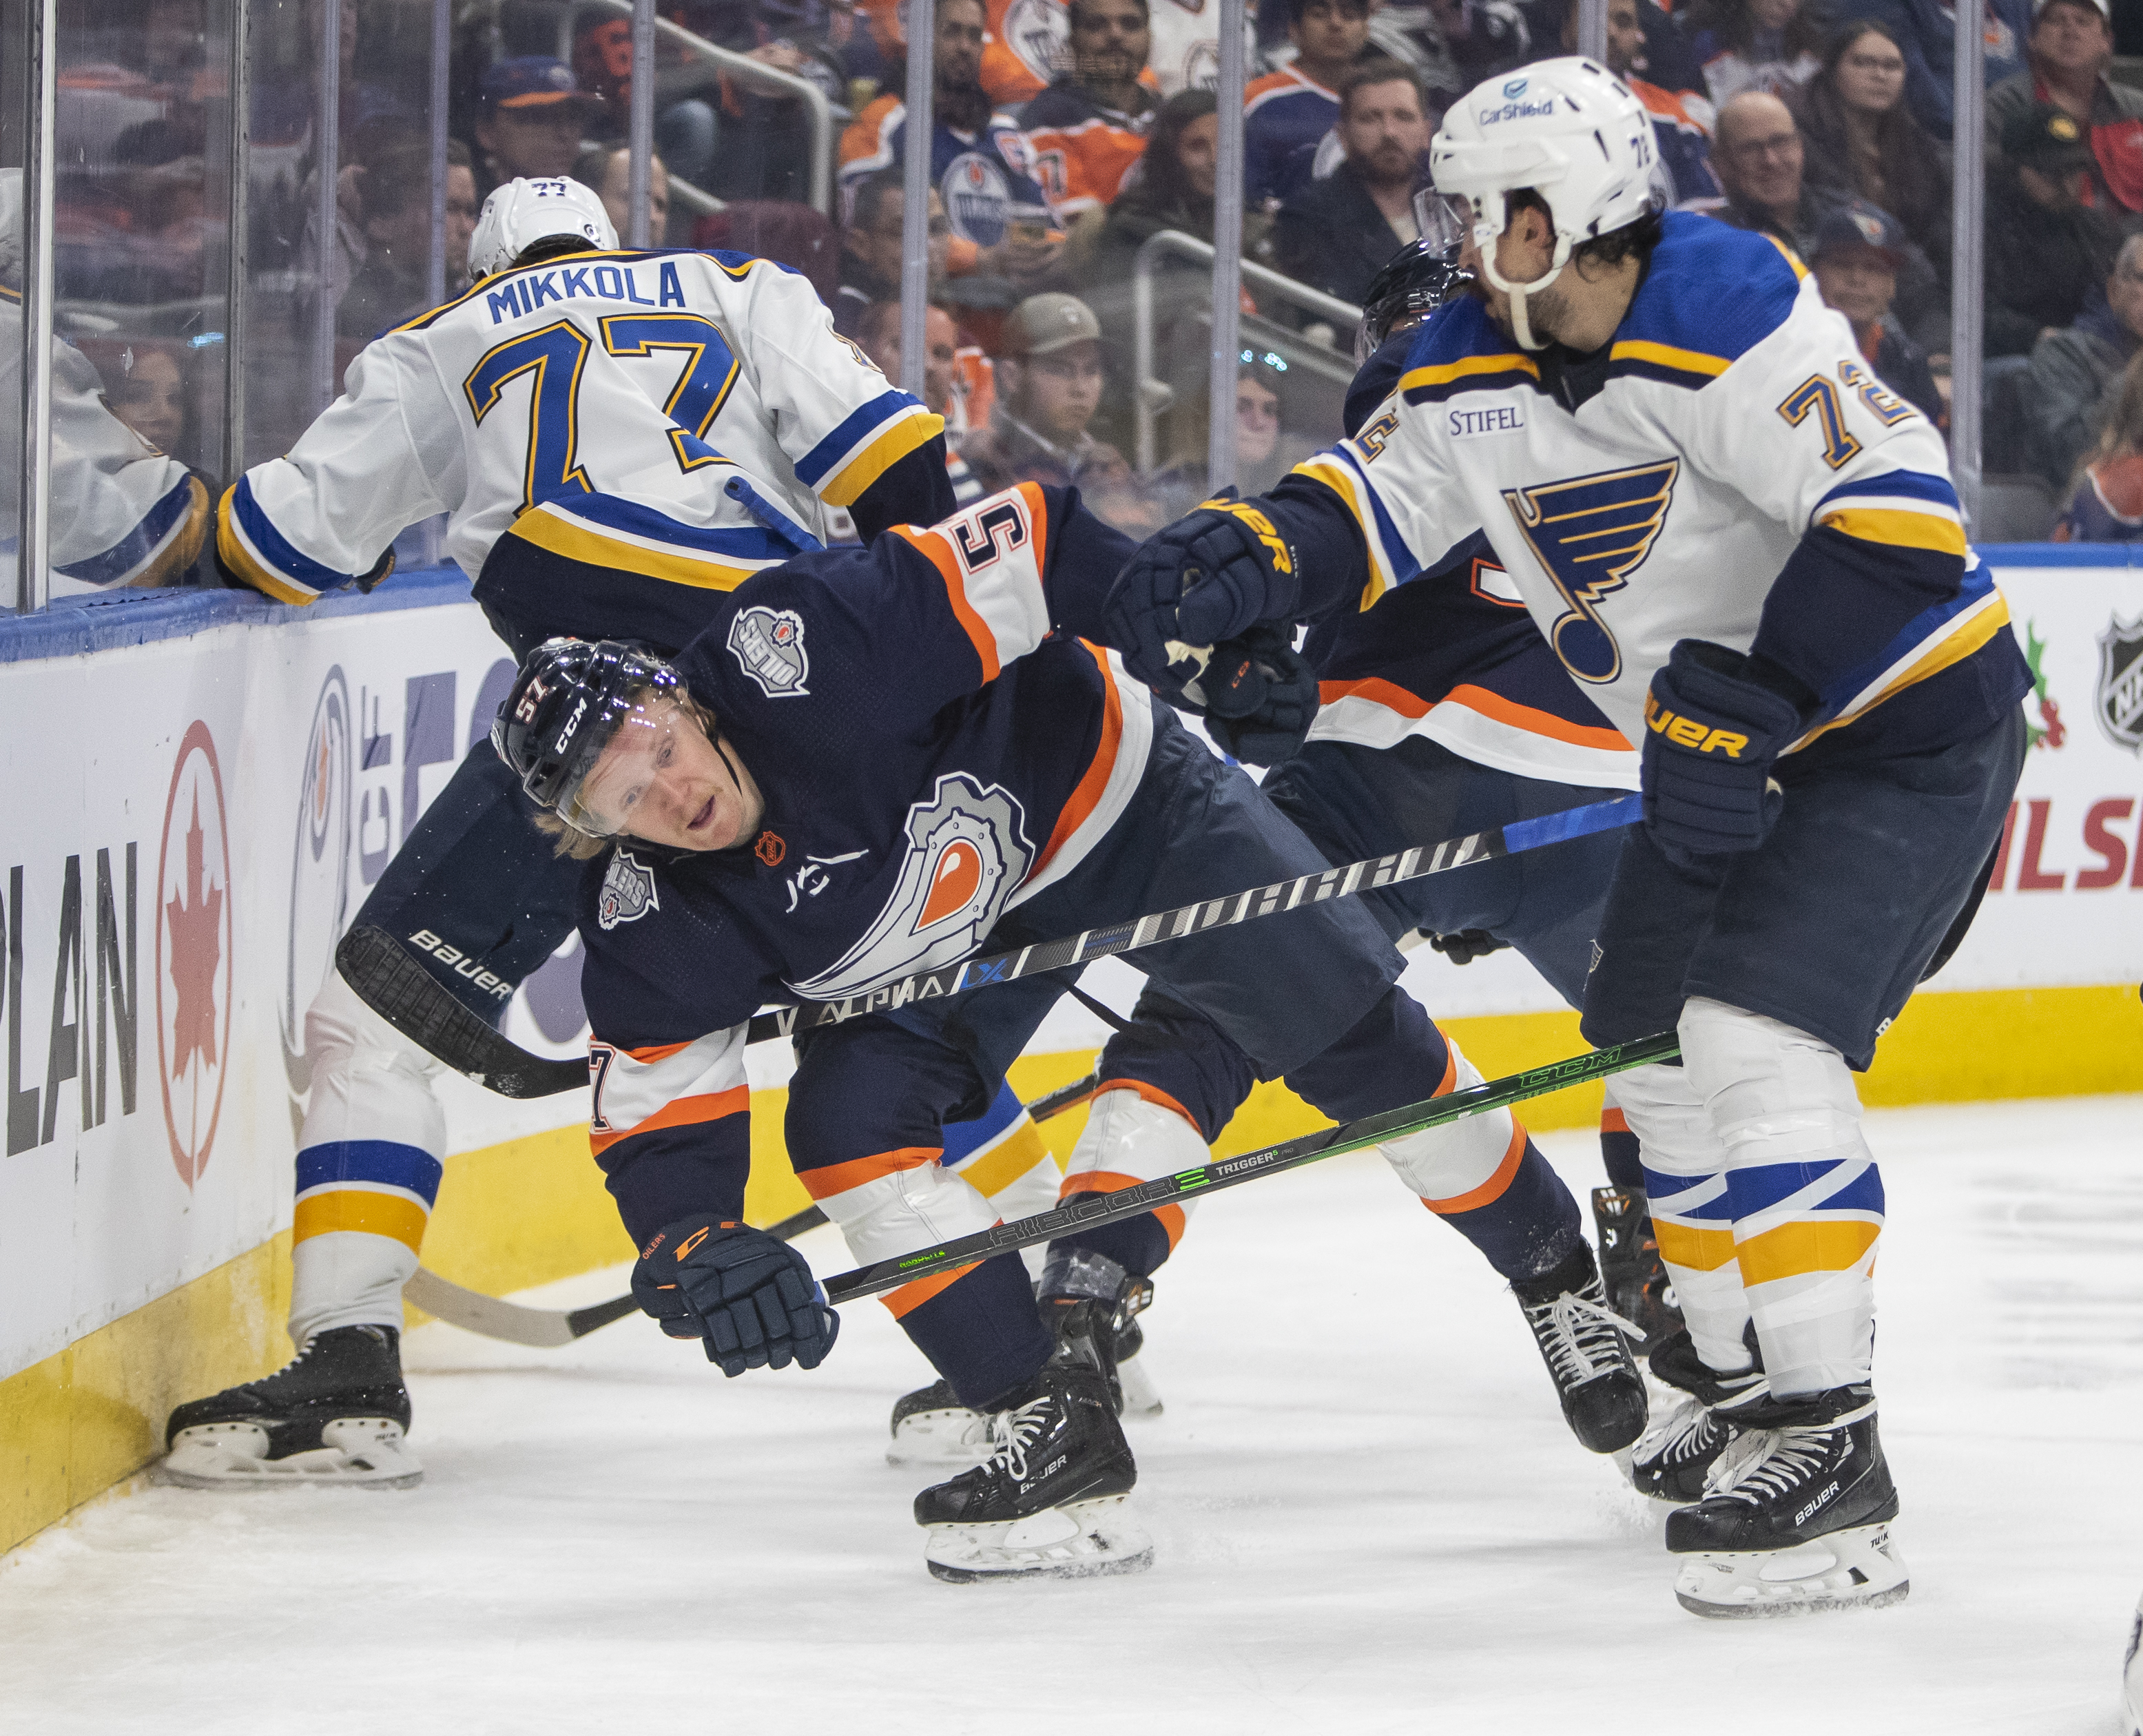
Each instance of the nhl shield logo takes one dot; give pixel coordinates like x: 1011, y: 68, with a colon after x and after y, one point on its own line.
x: 769, y: 644
x: 2119, y: 701
x: 628, y: 892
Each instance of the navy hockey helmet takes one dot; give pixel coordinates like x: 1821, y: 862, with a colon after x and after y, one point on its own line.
x: 1413, y: 284
x: 566, y: 706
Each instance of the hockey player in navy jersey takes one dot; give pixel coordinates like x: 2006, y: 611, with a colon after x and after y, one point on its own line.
x: 877, y: 761
x: 656, y: 425
x: 1750, y: 555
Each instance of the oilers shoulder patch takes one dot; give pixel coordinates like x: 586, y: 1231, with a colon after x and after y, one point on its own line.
x: 628, y: 892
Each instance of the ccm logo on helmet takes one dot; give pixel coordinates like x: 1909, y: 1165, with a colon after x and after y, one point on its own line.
x: 1686, y: 732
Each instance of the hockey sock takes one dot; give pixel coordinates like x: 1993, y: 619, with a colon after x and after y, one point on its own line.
x: 1685, y: 1170
x: 368, y: 1168
x: 979, y: 1327
x: 1621, y: 1153
x: 1805, y: 1194
x: 1001, y: 1156
x: 1133, y: 1134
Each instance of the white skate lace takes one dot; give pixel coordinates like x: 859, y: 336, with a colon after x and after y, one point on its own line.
x: 1684, y: 1435
x: 1011, y: 1432
x: 1578, y: 1336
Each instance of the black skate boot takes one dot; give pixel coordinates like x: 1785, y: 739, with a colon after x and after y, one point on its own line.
x: 931, y: 1427
x: 336, y: 1413
x: 1630, y: 1270
x: 1675, y: 1456
x: 1050, y: 1501
x: 1798, y: 1471
x: 1088, y: 1298
x: 1586, y: 1347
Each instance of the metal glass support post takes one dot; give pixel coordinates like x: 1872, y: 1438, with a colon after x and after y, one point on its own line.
x: 1592, y: 30
x: 919, y: 132
x: 1227, y: 254
x: 327, y: 142
x: 238, y: 250
x: 435, y: 258
x: 1967, y: 325
x: 33, y: 544
x: 641, y: 123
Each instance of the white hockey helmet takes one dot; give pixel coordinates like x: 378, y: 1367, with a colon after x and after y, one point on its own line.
x: 522, y: 212
x: 1569, y: 130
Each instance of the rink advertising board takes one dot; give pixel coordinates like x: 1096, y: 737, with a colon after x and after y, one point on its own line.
x: 194, y: 821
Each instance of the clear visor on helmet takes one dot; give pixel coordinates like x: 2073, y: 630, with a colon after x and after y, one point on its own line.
x: 1444, y: 220
x: 642, y: 749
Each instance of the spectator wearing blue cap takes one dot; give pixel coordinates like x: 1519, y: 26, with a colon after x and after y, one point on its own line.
x: 530, y: 117
x: 1859, y: 248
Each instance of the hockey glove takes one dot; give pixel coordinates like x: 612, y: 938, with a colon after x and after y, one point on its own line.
x: 1711, y: 736
x: 1211, y: 576
x: 749, y: 1298
x: 1261, y: 696
x: 1466, y: 945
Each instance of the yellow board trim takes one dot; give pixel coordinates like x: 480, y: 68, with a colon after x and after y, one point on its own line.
x: 1665, y: 355
x: 1796, y: 1250
x: 568, y: 536
x: 910, y: 430
x: 1694, y: 1250
x: 1898, y: 529
x: 362, y: 1210
x: 534, y: 1210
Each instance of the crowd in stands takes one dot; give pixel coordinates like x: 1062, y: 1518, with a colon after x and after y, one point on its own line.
x: 1066, y: 135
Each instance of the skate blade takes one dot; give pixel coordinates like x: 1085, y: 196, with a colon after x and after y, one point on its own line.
x: 357, y: 1452
x: 1141, y: 1397
x: 1859, y: 1569
x: 1081, y: 1540
x: 956, y: 1437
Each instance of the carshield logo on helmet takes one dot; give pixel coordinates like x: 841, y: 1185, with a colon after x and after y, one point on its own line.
x: 628, y: 892
x: 769, y: 646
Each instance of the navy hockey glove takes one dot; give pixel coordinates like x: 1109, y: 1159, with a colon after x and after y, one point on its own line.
x: 1466, y: 946
x: 1261, y: 696
x: 1711, y: 736
x: 751, y: 1299
x: 1213, y: 575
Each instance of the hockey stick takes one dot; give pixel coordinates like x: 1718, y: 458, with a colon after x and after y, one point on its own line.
x: 1086, y: 1211
x: 547, y: 1329
x: 401, y: 991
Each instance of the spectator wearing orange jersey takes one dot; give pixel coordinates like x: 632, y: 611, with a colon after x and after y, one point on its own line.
x: 1088, y: 128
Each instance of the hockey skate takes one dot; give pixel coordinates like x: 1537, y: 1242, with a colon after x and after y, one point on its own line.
x: 336, y: 1413
x: 1796, y: 1514
x: 1097, y: 1301
x: 1052, y: 1501
x: 1673, y: 1458
x: 1630, y: 1270
x: 1585, y: 1344
x: 931, y: 1427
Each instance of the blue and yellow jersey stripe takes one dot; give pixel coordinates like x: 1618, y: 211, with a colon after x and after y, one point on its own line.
x: 607, y: 530
x: 258, y: 553
x: 869, y: 442
x: 163, y: 542
x: 1392, y: 562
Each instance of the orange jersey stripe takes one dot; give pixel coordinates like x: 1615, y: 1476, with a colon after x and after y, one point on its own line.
x: 910, y: 1297
x: 1097, y: 779
x: 1491, y: 1191
x: 1613, y: 1121
x: 1108, y: 1181
x: 833, y: 1178
x: 1152, y: 1094
x: 658, y: 1051
x: 681, y: 1112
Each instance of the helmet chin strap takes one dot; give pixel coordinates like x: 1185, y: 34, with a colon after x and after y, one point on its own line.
x: 1520, y: 326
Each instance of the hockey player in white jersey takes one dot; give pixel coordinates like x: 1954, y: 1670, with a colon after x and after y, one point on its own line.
x: 1749, y: 555
x: 646, y: 429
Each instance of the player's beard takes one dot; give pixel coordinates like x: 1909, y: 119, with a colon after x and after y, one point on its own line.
x: 1544, y: 309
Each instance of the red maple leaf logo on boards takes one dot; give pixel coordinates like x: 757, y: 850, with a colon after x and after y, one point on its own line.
x: 195, y: 917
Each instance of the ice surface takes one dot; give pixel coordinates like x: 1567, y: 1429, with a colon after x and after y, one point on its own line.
x: 1368, y: 1515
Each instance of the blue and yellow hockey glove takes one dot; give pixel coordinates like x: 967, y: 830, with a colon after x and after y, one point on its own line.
x: 1711, y: 737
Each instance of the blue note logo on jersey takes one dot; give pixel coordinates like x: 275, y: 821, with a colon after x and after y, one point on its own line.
x: 1591, y: 533
x: 769, y: 645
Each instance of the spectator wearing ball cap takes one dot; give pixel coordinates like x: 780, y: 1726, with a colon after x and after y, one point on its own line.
x: 2070, y: 48
x: 2077, y: 370
x: 2048, y: 252
x: 1048, y: 387
x: 530, y: 117
x: 1857, y: 251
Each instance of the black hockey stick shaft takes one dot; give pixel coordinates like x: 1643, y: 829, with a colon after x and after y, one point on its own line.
x: 391, y: 981
x: 1086, y: 1211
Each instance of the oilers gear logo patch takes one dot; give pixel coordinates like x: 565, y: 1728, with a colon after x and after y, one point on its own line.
x: 968, y: 852
x: 769, y: 646
x: 1589, y: 535
x: 628, y: 892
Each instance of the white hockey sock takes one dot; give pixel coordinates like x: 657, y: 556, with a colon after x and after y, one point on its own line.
x: 1685, y: 1183
x: 1130, y: 1138
x: 1017, y: 1175
x: 1445, y: 1165
x: 1806, y: 1195
x: 369, y: 1166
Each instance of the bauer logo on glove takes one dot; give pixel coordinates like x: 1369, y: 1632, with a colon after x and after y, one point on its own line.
x: 1712, y: 733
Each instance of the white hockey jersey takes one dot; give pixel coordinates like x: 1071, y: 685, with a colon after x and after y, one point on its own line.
x: 1737, y: 424
x: 661, y: 380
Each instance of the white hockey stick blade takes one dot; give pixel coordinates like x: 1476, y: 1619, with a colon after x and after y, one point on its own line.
x: 472, y: 1311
